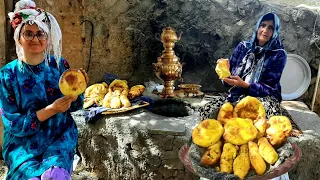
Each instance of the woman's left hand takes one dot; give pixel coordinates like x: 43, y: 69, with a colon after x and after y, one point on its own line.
x: 85, y: 75
x: 73, y: 98
x: 236, y: 81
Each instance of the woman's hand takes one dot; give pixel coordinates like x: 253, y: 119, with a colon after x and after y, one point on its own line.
x: 73, y: 98
x: 62, y: 104
x: 236, y: 81
x: 58, y: 106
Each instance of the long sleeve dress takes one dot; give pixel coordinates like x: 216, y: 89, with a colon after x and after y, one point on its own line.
x: 269, y: 83
x: 30, y: 147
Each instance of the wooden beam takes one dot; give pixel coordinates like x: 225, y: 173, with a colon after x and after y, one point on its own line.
x: 3, y: 25
x: 10, y: 44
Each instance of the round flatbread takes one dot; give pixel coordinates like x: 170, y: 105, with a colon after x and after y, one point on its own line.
x: 279, y: 129
x: 249, y: 107
x: 207, y: 133
x: 239, y: 131
x: 72, y: 82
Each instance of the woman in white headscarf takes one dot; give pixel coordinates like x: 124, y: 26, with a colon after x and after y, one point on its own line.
x: 40, y: 135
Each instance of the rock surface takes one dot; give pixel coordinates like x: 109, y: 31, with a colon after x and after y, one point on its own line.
x: 134, y: 145
x: 309, y: 142
x: 128, y: 147
x: 306, y: 168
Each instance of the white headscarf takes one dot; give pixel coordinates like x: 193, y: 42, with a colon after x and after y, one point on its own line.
x: 26, y: 12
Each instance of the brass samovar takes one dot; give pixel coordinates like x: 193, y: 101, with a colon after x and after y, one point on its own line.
x: 168, y: 67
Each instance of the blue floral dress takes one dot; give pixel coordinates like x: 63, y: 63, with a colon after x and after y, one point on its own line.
x: 30, y: 147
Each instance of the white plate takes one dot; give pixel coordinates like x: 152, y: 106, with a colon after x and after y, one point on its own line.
x: 295, y: 78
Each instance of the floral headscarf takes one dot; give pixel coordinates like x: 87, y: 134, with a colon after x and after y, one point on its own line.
x: 26, y: 12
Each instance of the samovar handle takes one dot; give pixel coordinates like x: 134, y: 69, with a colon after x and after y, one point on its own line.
x: 157, y: 70
x: 179, y: 72
x: 157, y: 36
x: 180, y: 35
x: 180, y: 79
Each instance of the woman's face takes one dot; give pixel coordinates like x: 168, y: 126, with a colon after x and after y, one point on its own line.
x: 32, y: 39
x: 265, y: 32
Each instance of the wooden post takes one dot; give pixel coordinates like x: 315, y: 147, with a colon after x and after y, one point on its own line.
x: 10, y: 43
x: 3, y: 25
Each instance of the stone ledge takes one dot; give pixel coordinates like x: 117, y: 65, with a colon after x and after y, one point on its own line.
x: 167, y: 127
x: 296, y: 105
x: 307, y: 167
x: 135, y: 145
x: 309, y: 142
x: 303, y: 116
x: 104, y: 147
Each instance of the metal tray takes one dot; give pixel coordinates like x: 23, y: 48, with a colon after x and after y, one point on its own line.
x: 121, y: 110
x: 296, y: 77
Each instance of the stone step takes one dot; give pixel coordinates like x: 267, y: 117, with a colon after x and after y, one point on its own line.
x: 303, y: 116
x: 84, y: 175
x: 3, y: 170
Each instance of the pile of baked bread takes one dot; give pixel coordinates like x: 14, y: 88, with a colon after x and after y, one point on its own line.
x: 116, y: 95
x: 241, y: 138
x: 73, y: 82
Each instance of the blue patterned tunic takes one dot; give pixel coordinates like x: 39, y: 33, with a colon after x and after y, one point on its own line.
x: 269, y: 83
x: 30, y: 147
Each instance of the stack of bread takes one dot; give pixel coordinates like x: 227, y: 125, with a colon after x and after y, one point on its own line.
x: 116, y: 95
x: 241, y: 138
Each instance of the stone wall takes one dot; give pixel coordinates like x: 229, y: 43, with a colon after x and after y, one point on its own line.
x: 134, y: 145
x: 69, y: 14
x: 125, y: 40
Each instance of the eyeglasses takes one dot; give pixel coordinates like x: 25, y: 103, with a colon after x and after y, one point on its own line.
x: 29, y: 35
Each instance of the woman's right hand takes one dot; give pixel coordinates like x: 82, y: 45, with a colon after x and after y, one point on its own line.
x: 58, y: 106
x: 236, y: 81
x: 62, y: 104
